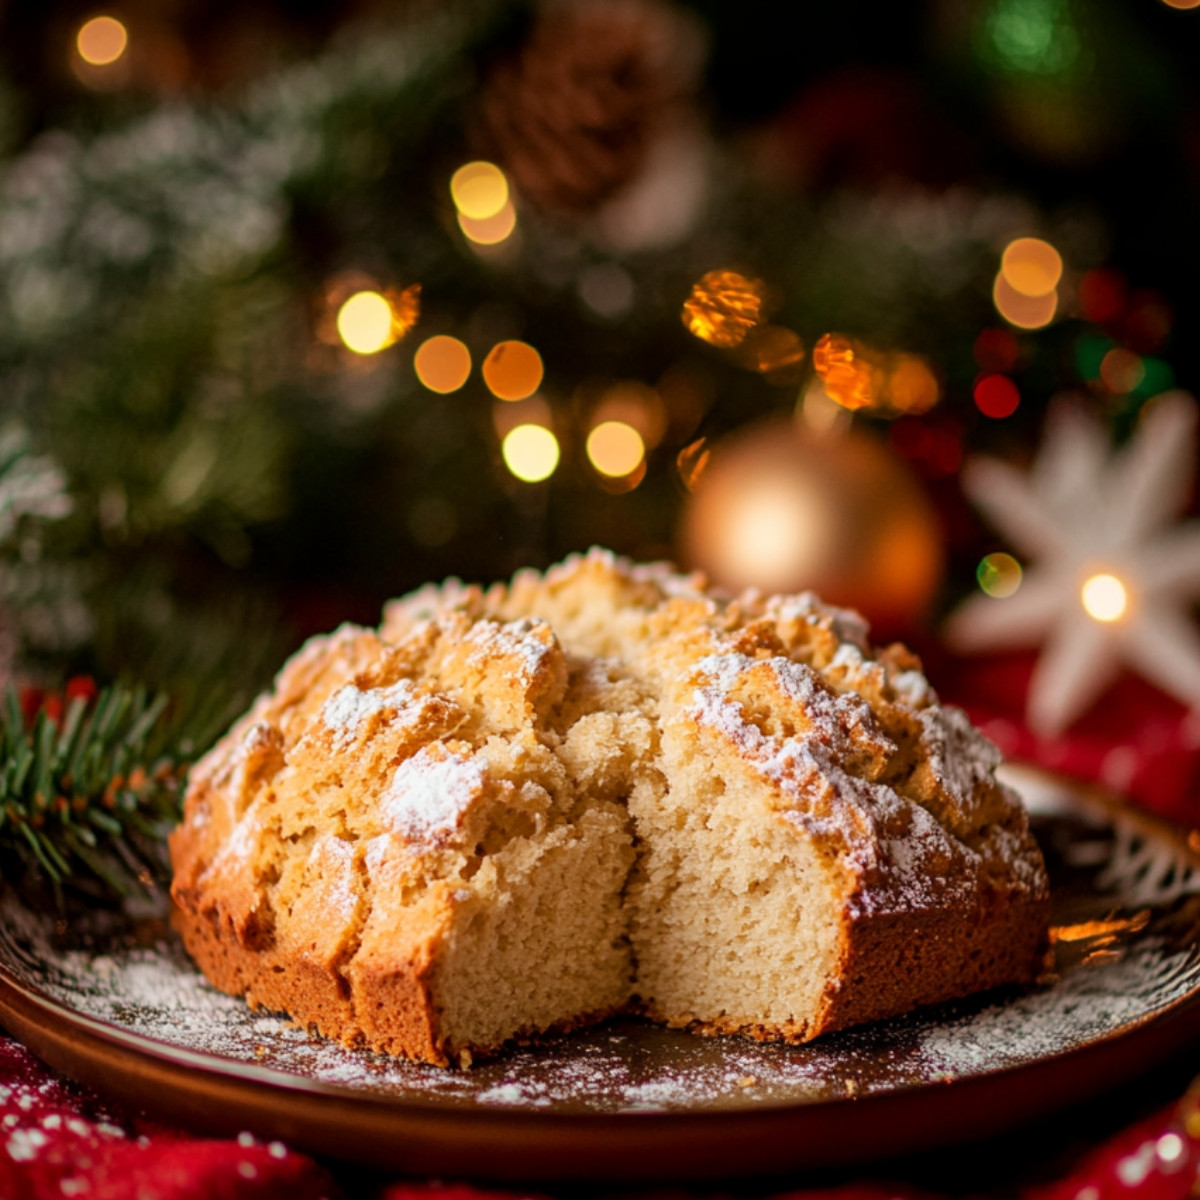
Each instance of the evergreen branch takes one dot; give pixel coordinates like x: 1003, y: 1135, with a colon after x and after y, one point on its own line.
x: 87, y: 797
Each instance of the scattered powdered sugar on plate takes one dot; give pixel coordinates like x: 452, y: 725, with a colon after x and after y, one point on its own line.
x: 136, y: 978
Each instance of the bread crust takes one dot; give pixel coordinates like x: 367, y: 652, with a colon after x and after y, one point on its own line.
x: 307, y: 882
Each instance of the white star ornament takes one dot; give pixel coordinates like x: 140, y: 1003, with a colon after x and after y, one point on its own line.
x: 1109, y: 577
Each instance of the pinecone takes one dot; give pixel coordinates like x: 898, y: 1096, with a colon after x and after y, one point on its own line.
x: 572, y: 114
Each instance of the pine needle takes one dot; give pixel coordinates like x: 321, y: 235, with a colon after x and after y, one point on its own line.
x: 86, y: 800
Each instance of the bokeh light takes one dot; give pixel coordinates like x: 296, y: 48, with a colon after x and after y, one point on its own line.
x: 996, y: 350
x: 996, y: 396
x: 775, y: 352
x: 1031, y: 266
x: 858, y: 376
x: 1025, y: 312
x: 723, y: 307
x: 101, y: 41
x: 632, y: 403
x: 1182, y: 5
x: 479, y: 190
x: 1104, y: 597
x: 489, y: 231
x: 513, y: 370
x: 615, y: 449
x: 912, y: 386
x: 365, y: 323
x: 442, y: 363
x: 1122, y: 371
x: 1102, y: 293
x: 692, y: 461
x: 999, y: 575
x: 530, y: 452
x: 845, y: 371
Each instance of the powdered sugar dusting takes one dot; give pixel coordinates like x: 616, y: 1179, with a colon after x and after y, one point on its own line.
x: 845, y: 624
x: 430, y: 793
x: 912, y: 688
x: 838, y: 721
x: 154, y: 992
x: 526, y: 641
x: 961, y: 758
x: 349, y: 708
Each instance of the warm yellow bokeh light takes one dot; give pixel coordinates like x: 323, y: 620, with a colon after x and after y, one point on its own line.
x: 513, y: 370
x: 1031, y: 266
x: 1025, y: 312
x: 999, y: 576
x: 530, y: 452
x: 480, y: 190
x: 615, y: 449
x: 101, y: 41
x: 1104, y: 597
x: 1183, y: 5
x: 364, y: 323
x: 489, y: 231
x: 442, y: 363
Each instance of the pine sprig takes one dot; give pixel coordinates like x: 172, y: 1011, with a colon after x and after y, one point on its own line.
x: 89, y: 791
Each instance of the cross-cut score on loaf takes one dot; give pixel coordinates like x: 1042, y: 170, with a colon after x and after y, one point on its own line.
x: 597, y: 790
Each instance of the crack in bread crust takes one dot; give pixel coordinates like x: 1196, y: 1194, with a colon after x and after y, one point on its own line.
x: 602, y: 787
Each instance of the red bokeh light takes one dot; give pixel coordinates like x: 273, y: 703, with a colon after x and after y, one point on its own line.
x: 996, y: 396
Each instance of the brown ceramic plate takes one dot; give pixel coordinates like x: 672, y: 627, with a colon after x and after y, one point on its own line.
x: 119, y: 1007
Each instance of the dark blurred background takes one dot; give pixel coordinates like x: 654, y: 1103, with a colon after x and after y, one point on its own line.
x: 760, y: 254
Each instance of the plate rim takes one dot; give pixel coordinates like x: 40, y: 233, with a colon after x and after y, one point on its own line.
x: 494, y: 1142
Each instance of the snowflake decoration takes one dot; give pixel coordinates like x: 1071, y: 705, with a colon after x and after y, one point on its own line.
x: 1110, y: 577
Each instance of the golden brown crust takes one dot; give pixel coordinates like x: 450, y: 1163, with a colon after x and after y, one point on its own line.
x: 308, y: 879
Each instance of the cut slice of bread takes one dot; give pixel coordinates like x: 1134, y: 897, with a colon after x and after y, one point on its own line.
x: 597, y: 789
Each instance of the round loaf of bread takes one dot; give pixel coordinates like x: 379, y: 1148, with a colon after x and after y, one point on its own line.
x: 598, y: 789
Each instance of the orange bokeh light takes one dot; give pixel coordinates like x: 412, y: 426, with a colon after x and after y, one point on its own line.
x: 513, y: 370
x: 723, y: 307
x: 442, y: 363
x: 1024, y: 312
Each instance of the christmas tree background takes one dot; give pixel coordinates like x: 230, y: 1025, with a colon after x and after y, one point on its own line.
x: 780, y: 283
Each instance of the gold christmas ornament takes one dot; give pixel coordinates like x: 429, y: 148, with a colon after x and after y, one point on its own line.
x: 781, y: 508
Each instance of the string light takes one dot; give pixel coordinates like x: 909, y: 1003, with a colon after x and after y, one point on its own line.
x: 999, y: 575
x: 858, y: 376
x: 774, y: 351
x: 912, y: 386
x: 101, y: 41
x: 364, y: 323
x: 489, y: 231
x: 1031, y: 266
x: 692, y: 461
x: 996, y: 350
x: 530, y: 452
x: 844, y: 370
x: 442, y: 363
x: 633, y: 403
x: 1104, y: 597
x: 1024, y: 312
x: 1122, y: 371
x: 996, y: 396
x: 513, y: 370
x: 479, y: 190
x: 723, y: 307
x: 615, y: 449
